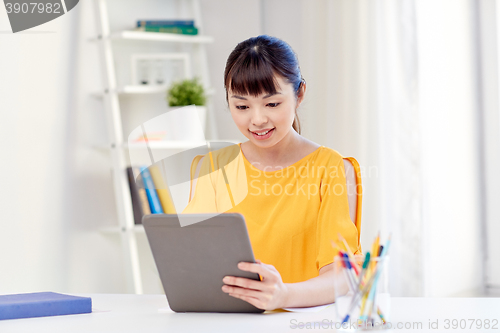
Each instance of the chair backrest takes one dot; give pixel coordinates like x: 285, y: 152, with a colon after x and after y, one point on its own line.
x: 354, y: 191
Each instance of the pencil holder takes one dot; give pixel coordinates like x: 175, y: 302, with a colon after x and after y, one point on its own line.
x: 362, y: 300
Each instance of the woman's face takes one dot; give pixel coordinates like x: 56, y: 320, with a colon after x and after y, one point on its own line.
x: 266, y: 119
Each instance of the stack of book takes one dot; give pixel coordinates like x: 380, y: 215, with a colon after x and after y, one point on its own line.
x: 184, y: 27
x: 150, y: 194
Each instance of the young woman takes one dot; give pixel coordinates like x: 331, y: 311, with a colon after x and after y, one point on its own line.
x: 291, y: 191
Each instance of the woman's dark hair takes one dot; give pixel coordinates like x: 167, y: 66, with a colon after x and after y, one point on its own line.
x: 252, y: 67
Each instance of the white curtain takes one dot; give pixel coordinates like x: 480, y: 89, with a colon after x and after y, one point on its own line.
x: 399, y: 145
x: 395, y: 84
x: 488, y: 20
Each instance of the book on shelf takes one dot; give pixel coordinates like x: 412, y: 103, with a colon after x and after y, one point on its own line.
x: 162, y: 190
x: 154, y: 200
x: 140, y: 204
x: 153, y: 23
x: 42, y: 304
x: 181, y: 30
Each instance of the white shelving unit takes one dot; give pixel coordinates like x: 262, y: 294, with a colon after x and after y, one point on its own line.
x: 116, y: 143
x: 136, y: 89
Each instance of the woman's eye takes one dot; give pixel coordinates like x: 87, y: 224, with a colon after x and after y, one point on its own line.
x: 273, y: 105
x: 241, y: 107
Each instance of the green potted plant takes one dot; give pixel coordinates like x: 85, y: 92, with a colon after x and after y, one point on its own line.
x: 188, y: 92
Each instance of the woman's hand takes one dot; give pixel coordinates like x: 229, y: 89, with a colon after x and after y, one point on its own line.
x: 269, y: 294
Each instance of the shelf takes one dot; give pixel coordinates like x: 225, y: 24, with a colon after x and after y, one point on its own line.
x: 174, y: 144
x: 161, y: 37
x: 137, y: 228
x: 160, y: 89
x: 145, y: 89
x: 167, y: 144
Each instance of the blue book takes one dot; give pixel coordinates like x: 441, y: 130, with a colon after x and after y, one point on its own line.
x: 154, y: 200
x: 42, y: 305
x: 167, y: 23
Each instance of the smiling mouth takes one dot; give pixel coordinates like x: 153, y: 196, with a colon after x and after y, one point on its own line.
x: 263, y: 133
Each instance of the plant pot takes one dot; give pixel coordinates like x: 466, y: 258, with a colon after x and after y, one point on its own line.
x: 188, y: 122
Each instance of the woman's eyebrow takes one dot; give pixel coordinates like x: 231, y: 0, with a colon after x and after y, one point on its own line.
x: 267, y: 96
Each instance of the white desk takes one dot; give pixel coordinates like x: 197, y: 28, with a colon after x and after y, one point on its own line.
x: 139, y: 313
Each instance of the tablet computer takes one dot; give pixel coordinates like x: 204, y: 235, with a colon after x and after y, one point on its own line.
x: 193, y: 259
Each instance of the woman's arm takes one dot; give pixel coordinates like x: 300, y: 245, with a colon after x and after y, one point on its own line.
x: 315, y: 291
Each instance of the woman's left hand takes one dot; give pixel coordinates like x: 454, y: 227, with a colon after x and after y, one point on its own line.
x: 269, y: 294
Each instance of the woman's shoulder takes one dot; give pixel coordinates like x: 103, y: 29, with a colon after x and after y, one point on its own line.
x: 332, y: 158
x: 330, y: 153
x: 327, y: 156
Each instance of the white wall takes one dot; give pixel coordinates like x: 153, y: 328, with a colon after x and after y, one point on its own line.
x: 32, y: 133
x: 56, y: 188
x: 229, y: 22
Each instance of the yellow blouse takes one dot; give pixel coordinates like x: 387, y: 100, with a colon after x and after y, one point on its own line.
x: 291, y: 214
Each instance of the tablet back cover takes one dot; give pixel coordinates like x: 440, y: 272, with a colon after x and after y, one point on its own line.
x: 192, y: 260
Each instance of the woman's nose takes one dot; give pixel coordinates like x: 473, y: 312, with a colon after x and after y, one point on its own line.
x: 259, y: 117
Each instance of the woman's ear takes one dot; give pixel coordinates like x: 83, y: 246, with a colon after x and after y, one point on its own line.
x: 301, y: 93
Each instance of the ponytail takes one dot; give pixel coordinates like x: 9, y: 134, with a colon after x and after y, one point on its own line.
x: 296, y: 123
